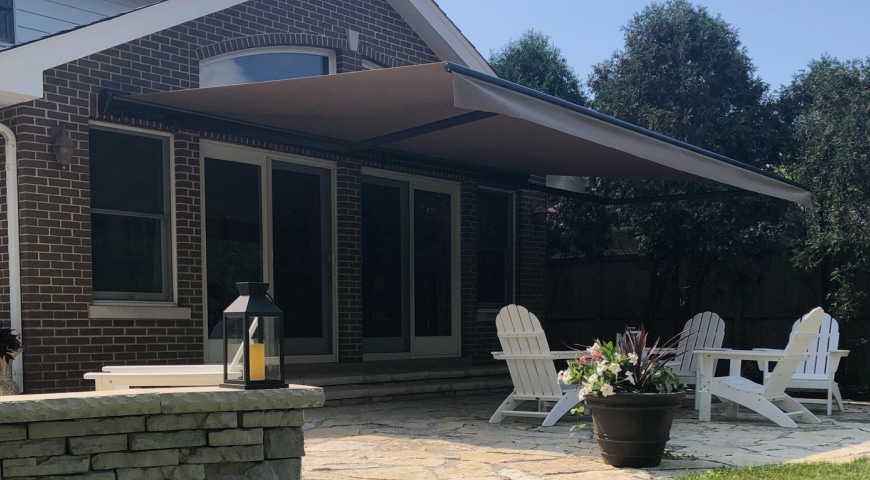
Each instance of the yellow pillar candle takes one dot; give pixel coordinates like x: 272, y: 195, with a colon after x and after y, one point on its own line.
x: 258, y: 361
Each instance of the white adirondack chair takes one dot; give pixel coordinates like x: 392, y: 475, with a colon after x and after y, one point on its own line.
x: 769, y: 399
x: 532, y: 368
x: 703, y: 331
x: 817, y: 372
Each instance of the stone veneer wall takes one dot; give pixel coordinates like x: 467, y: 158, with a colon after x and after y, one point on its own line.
x: 151, y: 434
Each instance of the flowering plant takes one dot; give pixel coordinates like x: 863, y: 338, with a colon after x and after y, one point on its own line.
x: 10, y: 343
x: 606, y: 369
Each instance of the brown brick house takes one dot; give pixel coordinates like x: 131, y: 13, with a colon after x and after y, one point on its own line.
x: 319, y: 145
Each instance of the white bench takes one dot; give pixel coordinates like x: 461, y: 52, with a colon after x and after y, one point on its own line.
x: 121, y: 377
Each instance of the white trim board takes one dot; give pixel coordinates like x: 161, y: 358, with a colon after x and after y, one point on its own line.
x: 431, y: 24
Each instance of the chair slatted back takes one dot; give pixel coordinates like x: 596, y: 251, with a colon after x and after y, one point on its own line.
x: 798, y: 344
x: 816, y: 367
x: 527, y: 352
x: 704, y: 330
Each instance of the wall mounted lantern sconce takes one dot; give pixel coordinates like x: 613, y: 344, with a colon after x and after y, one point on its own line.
x: 63, y: 146
x: 539, y: 216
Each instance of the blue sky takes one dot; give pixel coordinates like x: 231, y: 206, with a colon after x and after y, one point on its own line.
x: 781, y: 36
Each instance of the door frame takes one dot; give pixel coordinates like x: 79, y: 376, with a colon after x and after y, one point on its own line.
x: 213, y: 351
x: 430, y: 347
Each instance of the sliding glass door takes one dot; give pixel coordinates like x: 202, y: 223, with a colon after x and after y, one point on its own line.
x: 233, y: 235
x: 301, y: 256
x: 385, y: 266
x: 270, y: 220
x: 410, y: 252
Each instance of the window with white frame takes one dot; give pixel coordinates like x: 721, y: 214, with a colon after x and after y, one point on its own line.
x: 495, y: 256
x: 130, y: 216
x: 7, y: 22
x: 265, y: 64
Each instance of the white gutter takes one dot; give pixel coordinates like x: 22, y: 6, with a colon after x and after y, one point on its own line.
x: 12, y: 233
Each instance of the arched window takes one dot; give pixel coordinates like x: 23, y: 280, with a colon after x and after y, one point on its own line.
x: 265, y: 64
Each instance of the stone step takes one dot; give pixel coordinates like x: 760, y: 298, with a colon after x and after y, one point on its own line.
x: 425, y: 388
x: 386, y: 380
x: 351, y: 377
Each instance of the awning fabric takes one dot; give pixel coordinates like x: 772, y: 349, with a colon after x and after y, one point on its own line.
x: 448, y: 112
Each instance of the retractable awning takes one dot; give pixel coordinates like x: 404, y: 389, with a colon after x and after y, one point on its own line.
x: 452, y: 113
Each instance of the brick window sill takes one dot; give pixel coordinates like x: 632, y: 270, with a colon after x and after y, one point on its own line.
x: 156, y: 312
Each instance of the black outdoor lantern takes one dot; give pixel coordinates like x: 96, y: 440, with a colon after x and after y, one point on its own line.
x: 253, y: 340
x: 540, y: 215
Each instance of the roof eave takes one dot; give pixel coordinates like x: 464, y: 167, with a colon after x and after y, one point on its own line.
x: 440, y: 33
x: 30, y: 60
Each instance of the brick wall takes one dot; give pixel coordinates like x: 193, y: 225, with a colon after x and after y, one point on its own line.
x: 61, y: 341
x: 473, y: 345
x: 349, y: 256
x: 531, y: 253
x: 183, y: 339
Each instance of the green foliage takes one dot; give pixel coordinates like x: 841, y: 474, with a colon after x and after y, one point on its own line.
x: 577, y: 228
x: 684, y: 73
x: 10, y: 344
x: 670, y: 455
x: 534, y: 62
x: 829, y: 107
x: 855, y: 470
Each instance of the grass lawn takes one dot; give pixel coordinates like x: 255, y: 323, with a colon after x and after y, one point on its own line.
x: 856, y: 470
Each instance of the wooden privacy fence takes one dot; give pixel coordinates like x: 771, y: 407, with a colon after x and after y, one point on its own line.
x: 595, y: 298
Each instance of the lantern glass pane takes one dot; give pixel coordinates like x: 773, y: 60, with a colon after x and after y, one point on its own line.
x: 270, y: 335
x: 235, y: 355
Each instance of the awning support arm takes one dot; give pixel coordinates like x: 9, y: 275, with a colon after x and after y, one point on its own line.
x: 412, y: 132
x: 111, y: 102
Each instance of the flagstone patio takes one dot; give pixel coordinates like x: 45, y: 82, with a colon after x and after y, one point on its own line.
x: 451, y: 438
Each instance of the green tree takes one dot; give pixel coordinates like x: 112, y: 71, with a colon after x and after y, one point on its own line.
x: 829, y: 105
x: 533, y: 61
x: 684, y: 73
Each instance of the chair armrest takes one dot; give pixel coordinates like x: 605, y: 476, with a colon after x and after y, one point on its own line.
x: 566, y: 354
x: 562, y: 355
x: 834, y: 361
x: 749, y: 355
x: 737, y: 357
x: 764, y: 365
x: 523, y: 356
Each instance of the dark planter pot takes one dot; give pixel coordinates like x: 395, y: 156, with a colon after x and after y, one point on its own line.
x: 633, y: 428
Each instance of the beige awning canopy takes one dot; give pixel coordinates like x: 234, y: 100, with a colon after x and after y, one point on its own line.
x: 448, y: 112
